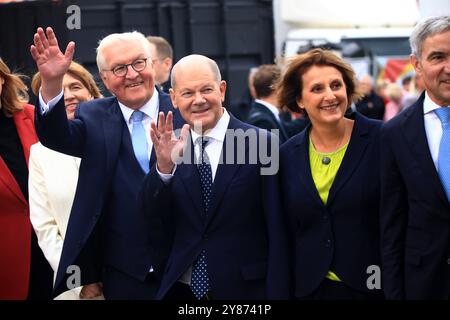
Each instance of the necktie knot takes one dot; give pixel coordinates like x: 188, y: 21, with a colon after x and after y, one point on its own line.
x: 137, y: 116
x: 443, y: 115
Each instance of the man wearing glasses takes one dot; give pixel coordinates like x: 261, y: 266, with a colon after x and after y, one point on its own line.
x: 108, y: 240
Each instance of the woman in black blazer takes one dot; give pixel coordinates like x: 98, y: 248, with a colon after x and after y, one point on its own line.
x: 330, y: 182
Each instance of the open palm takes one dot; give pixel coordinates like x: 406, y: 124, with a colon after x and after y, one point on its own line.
x: 168, y: 148
x: 51, y: 62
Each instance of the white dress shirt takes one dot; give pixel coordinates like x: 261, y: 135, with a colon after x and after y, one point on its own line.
x: 433, y: 127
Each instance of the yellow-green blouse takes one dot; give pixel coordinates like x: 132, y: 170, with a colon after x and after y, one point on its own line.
x: 323, y: 176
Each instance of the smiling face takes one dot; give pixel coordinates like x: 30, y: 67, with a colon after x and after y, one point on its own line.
x: 135, y: 88
x: 74, y: 93
x: 324, y: 96
x: 434, y: 67
x: 197, y: 93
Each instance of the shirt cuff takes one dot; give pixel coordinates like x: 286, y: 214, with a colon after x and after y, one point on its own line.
x: 48, y: 106
x: 166, y: 177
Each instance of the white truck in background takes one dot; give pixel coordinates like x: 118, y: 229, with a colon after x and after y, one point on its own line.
x: 366, y: 33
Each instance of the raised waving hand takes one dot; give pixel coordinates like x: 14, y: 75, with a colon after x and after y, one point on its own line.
x: 50, y: 61
x: 168, y: 147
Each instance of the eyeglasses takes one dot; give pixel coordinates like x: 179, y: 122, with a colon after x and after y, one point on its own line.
x: 121, y: 70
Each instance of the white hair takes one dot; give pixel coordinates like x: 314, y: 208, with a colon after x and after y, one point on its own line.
x: 113, y: 38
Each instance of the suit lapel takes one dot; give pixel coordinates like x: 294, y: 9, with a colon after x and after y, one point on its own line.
x: 301, y: 154
x: 225, y: 172
x: 190, y: 177
x: 413, y: 128
x: 112, y: 128
x: 10, y: 182
x: 28, y: 137
x: 355, y: 151
x: 26, y: 132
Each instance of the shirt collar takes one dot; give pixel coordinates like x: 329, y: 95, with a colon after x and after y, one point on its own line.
x: 269, y: 106
x: 429, y: 105
x: 150, y: 108
x: 219, y: 130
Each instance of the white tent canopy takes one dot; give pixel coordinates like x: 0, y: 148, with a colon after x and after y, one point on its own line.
x: 350, y: 13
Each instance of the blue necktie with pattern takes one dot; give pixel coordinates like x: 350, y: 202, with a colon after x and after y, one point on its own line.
x: 200, y: 279
x: 139, y: 140
x: 444, y: 149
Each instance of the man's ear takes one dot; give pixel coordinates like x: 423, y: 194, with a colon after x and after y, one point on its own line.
x: 223, y: 89
x: 172, y: 98
x: 167, y: 62
x: 104, y: 79
x: 416, y: 64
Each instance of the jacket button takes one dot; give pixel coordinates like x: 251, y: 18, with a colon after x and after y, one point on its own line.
x: 328, y: 243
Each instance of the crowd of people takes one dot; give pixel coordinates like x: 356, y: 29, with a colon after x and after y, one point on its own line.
x: 161, y: 191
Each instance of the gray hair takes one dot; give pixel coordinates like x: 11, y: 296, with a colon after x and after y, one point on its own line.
x: 113, y: 38
x: 212, y: 64
x: 425, y: 29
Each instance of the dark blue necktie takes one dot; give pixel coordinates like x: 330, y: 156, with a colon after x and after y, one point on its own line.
x: 444, y: 149
x: 139, y: 140
x: 200, y: 279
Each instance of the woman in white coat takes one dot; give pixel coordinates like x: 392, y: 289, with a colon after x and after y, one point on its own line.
x: 53, y: 180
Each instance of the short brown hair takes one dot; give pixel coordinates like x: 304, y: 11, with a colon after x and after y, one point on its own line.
x: 163, y: 47
x: 77, y: 71
x: 265, y: 78
x: 14, y: 91
x: 291, y: 85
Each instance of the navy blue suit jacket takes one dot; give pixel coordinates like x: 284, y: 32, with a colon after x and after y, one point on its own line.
x: 261, y: 117
x: 95, y: 135
x: 415, y: 212
x: 342, y: 235
x: 244, y: 234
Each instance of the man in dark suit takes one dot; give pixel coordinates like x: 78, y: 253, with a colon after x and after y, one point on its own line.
x: 162, y: 54
x: 108, y: 238
x: 371, y: 105
x: 264, y: 113
x: 415, y: 208
x: 221, y: 213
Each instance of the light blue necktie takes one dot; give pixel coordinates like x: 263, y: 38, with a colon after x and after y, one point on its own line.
x: 200, y: 279
x: 139, y: 140
x: 444, y: 149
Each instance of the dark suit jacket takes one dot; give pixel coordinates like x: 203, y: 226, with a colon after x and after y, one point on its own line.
x: 244, y: 234
x: 415, y: 212
x: 15, y: 239
x: 261, y: 117
x: 342, y: 235
x: 95, y: 135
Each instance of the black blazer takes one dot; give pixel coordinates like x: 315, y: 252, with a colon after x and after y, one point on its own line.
x: 415, y: 212
x: 342, y: 235
x: 261, y: 117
